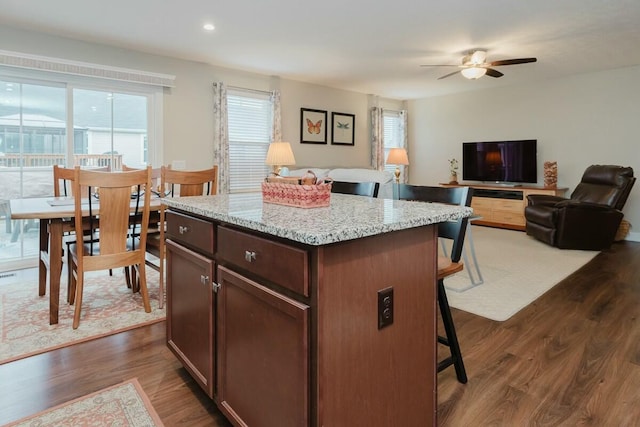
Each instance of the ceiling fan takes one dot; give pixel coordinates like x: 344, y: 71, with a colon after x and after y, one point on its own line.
x: 474, y: 65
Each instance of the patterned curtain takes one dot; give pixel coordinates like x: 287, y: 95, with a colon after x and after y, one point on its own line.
x: 276, y: 136
x: 377, y: 139
x: 221, y: 136
x: 404, y: 143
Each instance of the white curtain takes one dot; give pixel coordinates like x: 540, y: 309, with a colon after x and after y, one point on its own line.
x: 404, y: 129
x: 221, y: 136
x: 377, y: 139
x: 277, y: 118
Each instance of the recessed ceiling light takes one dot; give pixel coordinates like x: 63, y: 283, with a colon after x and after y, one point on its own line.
x: 208, y: 27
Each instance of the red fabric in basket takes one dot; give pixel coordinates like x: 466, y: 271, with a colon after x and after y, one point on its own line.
x: 301, y: 196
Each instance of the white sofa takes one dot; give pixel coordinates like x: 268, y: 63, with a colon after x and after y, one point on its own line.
x: 384, y: 178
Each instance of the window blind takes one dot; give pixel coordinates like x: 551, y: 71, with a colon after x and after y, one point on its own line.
x: 250, y: 115
x: 392, y: 135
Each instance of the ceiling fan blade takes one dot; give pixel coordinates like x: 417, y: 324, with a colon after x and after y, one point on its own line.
x: 493, y: 73
x: 448, y: 75
x: 439, y: 65
x: 512, y: 61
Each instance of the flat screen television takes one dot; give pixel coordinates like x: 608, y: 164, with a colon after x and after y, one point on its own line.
x: 500, y: 161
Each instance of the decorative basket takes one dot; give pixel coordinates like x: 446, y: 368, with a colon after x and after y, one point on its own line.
x: 297, y: 195
x: 623, y: 230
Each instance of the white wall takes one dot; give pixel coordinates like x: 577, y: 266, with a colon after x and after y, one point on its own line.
x: 578, y: 121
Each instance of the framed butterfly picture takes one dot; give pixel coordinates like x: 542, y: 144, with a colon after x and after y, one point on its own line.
x: 313, y: 126
x: 343, y: 129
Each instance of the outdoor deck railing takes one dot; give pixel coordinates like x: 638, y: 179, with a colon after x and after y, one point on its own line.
x: 35, y: 160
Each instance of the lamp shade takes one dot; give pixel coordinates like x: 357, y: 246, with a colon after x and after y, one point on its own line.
x: 397, y: 156
x: 494, y: 158
x: 474, y: 72
x: 280, y: 154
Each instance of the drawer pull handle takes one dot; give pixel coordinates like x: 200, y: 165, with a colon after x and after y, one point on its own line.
x: 249, y: 256
x: 204, y: 279
x: 216, y: 286
x: 182, y: 229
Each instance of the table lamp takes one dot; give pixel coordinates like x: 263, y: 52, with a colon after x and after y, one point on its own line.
x: 397, y: 156
x: 280, y: 154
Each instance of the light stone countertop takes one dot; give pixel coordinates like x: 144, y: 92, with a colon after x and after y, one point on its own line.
x: 348, y: 217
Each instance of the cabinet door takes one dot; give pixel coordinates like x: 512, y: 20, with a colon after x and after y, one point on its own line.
x: 263, y: 354
x: 190, y: 312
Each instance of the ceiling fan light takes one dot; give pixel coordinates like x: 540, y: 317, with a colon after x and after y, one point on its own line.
x: 473, y: 73
x: 478, y: 57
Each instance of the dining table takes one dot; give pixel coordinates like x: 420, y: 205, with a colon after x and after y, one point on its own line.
x: 56, y: 217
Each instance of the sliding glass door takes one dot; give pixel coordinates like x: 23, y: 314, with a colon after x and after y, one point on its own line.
x: 111, y: 129
x: 45, y: 124
x: 33, y: 136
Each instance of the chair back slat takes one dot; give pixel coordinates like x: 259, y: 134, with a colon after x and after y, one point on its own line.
x: 115, y: 210
x: 155, y: 175
x: 189, y: 183
x: 63, y: 180
x: 369, y: 189
x: 461, y: 196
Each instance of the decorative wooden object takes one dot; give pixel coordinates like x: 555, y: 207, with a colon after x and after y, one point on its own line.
x: 550, y: 174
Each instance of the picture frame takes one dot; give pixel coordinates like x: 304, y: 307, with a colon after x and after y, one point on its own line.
x: 343, y: 128
x: 313, y: 126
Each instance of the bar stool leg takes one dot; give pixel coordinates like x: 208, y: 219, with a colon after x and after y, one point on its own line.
x: 451, y: 339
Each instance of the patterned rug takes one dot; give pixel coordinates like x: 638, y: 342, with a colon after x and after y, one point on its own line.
x: 517, y: 269
x: 123, y: 404
x: 108, y: 307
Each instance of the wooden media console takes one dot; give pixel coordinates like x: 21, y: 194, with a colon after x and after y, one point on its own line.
x: 503, y: 206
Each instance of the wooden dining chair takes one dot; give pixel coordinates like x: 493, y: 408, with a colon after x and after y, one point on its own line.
x: 115, y: 247
x: 63, y: 187
x: 63, y: 180
x: 173, y: 183
x: 153, y: 230
x: 155, y: 175
x: 447, y: 265
x: 369, y: 189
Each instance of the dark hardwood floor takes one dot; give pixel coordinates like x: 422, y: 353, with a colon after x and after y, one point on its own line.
x: 571, y: 358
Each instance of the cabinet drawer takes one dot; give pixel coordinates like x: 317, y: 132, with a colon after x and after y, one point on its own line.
x: 508, y: 217
x: 482, y: 212
x: 481, y: 203
x: 284, y: 265
x: 515, y: 206
x: 193, y: 232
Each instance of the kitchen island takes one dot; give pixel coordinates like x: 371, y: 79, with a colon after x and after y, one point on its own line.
x: 307, y: 317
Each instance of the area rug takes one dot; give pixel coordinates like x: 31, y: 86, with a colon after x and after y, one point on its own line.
x: 517, y: 269
x: 108, y: 307
x: 124, y: 404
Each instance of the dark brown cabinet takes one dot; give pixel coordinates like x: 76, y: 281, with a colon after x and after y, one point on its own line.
x: 190, y: 312
x: 263, y: 354
x: 290, y: 335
